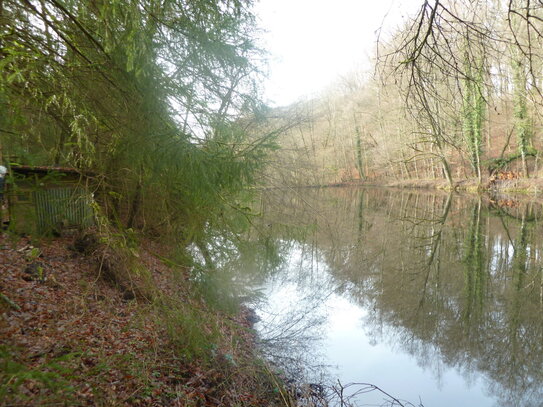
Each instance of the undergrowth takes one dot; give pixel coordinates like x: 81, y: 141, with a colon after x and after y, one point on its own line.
x: 52, y: 375
x: 163, y: 332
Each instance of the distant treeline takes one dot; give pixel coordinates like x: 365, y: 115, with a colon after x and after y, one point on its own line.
x: 456, y: 94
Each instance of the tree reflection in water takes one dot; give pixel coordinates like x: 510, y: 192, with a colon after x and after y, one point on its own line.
x: 454, y: 281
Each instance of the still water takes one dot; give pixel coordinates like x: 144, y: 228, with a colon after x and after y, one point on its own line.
x: 435, y: 298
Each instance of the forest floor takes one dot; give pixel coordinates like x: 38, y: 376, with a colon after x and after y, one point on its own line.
x: 70, y: 335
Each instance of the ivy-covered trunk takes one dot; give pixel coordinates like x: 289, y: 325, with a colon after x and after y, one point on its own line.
x: 522, y: 124
x: 473, y: 107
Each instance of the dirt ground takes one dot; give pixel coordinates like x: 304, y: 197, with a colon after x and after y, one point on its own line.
x: 68, y: 336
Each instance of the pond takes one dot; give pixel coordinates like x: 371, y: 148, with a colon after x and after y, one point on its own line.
x: 435, y: 298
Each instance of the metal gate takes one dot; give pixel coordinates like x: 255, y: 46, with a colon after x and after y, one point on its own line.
x: 58, y: 208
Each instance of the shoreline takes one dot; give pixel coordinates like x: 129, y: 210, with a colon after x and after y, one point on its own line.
x: 524, y: 186
x: 75, y: 329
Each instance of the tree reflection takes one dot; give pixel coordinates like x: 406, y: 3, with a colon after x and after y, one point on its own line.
x: 475, y: 269
x: 456, y: 281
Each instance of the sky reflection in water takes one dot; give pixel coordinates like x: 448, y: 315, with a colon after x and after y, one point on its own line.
x: 424, y: 295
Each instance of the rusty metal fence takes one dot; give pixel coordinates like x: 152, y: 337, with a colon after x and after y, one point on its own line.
x: 59, y: 208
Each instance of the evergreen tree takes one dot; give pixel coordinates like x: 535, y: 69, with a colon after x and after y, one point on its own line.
x: 146, y: 94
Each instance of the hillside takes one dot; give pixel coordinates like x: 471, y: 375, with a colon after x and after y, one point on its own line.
x: 72, y: 336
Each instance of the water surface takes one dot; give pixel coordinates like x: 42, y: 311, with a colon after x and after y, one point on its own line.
x: 436, y: 298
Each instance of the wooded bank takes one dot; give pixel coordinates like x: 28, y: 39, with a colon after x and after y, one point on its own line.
x: 455, y: 95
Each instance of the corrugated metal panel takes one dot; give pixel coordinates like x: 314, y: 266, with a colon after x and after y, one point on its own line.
x: 57, y: 208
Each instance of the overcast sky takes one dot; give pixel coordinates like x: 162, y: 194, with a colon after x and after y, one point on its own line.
x: 313, y: 42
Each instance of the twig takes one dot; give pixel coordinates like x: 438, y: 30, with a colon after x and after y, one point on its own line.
x: 8, y: 301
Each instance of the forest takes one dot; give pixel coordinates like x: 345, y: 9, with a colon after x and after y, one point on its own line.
x: 148, y: 96
x: 156, y: 108
x: 454, y: 98
x: 162, y: 99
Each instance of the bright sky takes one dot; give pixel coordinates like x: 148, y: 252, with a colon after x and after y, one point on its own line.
x: 313, y: 42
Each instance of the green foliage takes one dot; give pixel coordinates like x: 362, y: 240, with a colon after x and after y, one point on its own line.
x: 148, y: 95
x: 473, y: 108
x: 523, y: 126
x: 219, y: 290
x: 474, y: 270
x: 191, y: 331
x: 502, y: 162
x: 359, y: 163
x: 50, y: 375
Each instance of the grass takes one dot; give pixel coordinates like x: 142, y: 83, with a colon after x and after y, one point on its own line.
x: 53, y: 374
x: 190, y: 330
